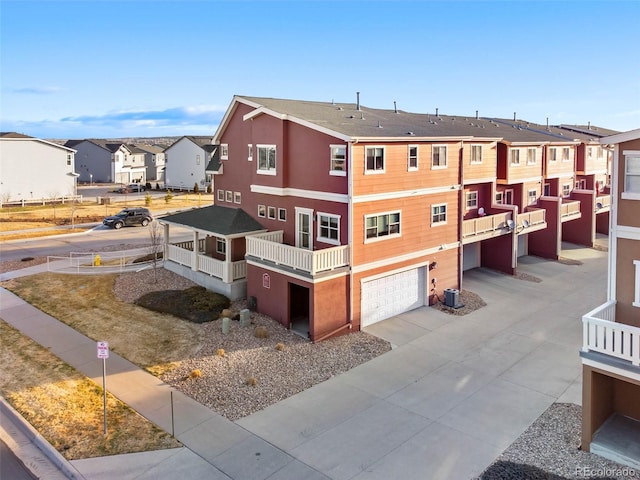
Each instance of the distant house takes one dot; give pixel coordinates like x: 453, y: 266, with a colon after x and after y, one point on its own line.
x: 32, y: 169
x: 107, y: 161
x: 186, y: 161
x: 153, y: 160
x: 611, y: 332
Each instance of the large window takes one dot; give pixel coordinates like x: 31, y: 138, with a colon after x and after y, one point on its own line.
x: 439, y: 156
x: 375, y: 159
x: 267, y: 159
x: 631, y: 175
x: 329, y: 228
x: 338, y: 160
x: 439, y: 214
x: 514, y: 156
x: 476, y: 153
x: 412, y: 161
x: 383, y: 225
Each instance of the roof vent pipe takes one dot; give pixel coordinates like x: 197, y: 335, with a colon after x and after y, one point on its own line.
x: 379, y: 125
x: 358, y: 101
x: 514, y: 116
x: 395, y: 108
x: 437, y: 111
x: 547, y: 123
x: 588, y: 125
x: 476, y: 114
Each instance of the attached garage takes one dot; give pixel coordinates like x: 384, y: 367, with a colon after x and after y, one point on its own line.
x: 523, y: 245
x: 471, y: 256
x: 392, y: 295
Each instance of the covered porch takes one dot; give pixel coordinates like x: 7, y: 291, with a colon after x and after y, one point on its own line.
x: 214, y: 257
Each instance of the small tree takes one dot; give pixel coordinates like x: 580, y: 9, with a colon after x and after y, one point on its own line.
x: 155, y: 247
x: 168, y: 197
x: 147, y: 199
x: 196, y: 188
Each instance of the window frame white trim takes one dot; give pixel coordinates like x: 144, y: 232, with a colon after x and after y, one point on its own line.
x: 512, y: 150
x: 384, y: 160
x: 319, y: 237
x: 554, y: 157
x: 534, y: 196
x: 568, y: 151
x: 304, y: 211
x: 262, y: 211
x: 442, y: 222
x: 467, y: 197
x: 224, y: 151
x: 228, y: 196
x: 562, y: 190
x: 271, y: 213
x: 410, y: 157
x: 535, y: 155
x: 499, y: 195
x: 237, y: 197
x: 379, y: 238
x: 221, y: 195
x: 282, y: 218
x: 471, y: 156
x: 268, y: 171
x: 250, y: 152
x: 629, y: 195
x: 224, y: 244
x: 446, y: 155
x: 332, y: 170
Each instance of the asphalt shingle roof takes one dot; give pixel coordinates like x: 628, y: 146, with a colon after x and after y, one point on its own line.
x: 216, y: 219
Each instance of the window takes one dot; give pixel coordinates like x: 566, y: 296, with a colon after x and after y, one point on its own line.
x: 499, y: 198
x: 439, y: 214
x: 68, y: 159
x: 237, y: 197
x: 472, y: 200
x: 599, y: 186
x: 514, y: 156
x: 439, y: 156
x: 476, y: 153
x: 566, y: 156
x: 282, y: 214
x: 553, y: 154
x: 413, y: 158
x: 224, y: 152
x: 532, y: 197
x: 329, y: 228
x: 631, y: 175
x: 374, y: 160
x: 267, y: 159
x: 636, y: 301
x: 600, y: 153
x: 229, y: 196
x: 383, y: 225
x: 566, y: 189
x: 271, y: 213
x: 338, y: 160
x: 531, y: 156
x: 221, y: 246
x: 221, y: 195
x: 262, y: 211
x: 250, y: 152
x: 197, y: 160
x: 590, y: 152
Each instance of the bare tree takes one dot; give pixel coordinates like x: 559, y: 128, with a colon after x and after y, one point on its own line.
x: 155, y: 247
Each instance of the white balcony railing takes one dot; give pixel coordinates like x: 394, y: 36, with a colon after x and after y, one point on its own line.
x: 603, y: 203
x: 534, y: 216
x: 489, y: 223
x: 602, y: 334
x: 268, y: 246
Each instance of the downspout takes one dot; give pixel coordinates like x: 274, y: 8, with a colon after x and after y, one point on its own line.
x: 460, y: 215
x: 350, y: 229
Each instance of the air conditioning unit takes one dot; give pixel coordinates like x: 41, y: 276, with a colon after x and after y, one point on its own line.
x: 451, y: 297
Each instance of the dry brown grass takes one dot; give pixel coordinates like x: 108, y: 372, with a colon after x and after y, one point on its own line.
x: 154, y: 341
x: 66, y: 407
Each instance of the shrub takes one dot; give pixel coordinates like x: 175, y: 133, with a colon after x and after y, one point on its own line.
x: 280, y: 347
x: 209, y: 188
x: 196, y: 188
x: 147, y: 199
x: 221, y: 352
x: 168, y: 197
x: 251, y: 381
x: 196, y: 304
x: 197, y: 373
x: 226, y: 313
x: 261, y: 332
x: 157, y: 186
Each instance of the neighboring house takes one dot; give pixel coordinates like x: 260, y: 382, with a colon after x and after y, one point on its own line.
x: 34, y: 169
x: 611, y: 345
x: 106, y: 161
x: 154, y: 161
x: 186, y: 161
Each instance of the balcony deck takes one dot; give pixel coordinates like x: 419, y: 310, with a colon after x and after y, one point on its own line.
x: 570, y: 211
x: 531, y: 220
x: 482, y: 228
x: 225, y: 271
x: 602, y: 334
x: 270, y: 247
x: 603, y: 203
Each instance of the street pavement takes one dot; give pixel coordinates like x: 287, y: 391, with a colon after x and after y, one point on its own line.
x: 451, y: 395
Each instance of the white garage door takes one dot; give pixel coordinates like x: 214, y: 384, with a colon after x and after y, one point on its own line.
x: 392, y: 295
x: 522, y: 245
x: 471, y: 256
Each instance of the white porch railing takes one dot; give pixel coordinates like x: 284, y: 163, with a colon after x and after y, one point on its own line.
x: 533, y: 216
x: 239, y: 269
x: 569, y: 209
x: 227, y: 272
x: 490, y: 223
x: 179, y: 255
x: 211, y: 266
x: 602, y: 334
x: 268, y: 246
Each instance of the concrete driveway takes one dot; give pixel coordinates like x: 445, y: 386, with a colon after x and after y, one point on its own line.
x: 455, y: 391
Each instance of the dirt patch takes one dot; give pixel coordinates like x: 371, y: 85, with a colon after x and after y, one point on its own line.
x: 470, y: 303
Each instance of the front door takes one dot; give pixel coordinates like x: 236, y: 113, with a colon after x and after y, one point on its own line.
x: 304, y: 228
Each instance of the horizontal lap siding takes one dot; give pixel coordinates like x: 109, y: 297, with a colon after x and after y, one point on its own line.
x: 486, y: 169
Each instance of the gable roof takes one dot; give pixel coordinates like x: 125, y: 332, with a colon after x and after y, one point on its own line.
x: 109, y: 145
x: 202, y: 140
x: 590, y: 130
x: 215, y: 219
x: 149, y: 148
x: 622, y: 137
x: 13, y: 135
x: 214, y: 163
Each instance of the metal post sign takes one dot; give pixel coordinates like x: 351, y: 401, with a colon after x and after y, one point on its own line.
x: 103, y: 349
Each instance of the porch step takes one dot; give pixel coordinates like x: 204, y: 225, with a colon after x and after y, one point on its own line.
x: 618, y: 439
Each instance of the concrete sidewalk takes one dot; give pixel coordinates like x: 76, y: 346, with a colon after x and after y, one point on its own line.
x: 443, y: 404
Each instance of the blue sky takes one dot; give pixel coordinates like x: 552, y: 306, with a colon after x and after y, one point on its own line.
x: 107, y: 69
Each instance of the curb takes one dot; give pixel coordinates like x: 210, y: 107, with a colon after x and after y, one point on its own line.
x: 58, y: 461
